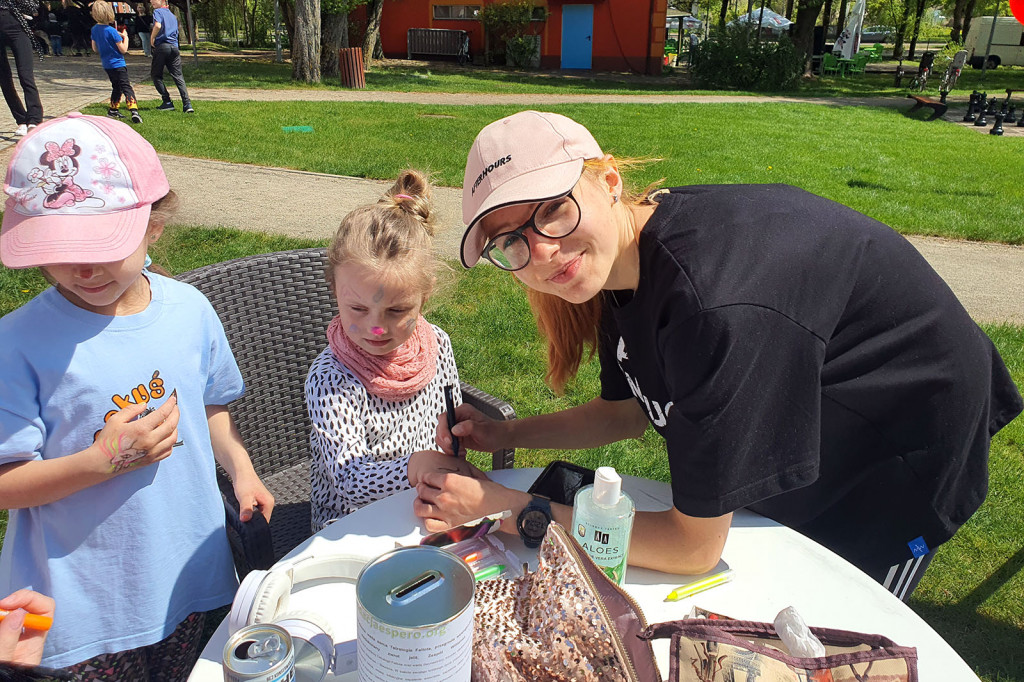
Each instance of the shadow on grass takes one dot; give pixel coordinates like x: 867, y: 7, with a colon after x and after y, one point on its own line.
x: 991, y: 647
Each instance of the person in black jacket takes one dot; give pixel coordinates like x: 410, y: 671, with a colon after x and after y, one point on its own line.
x: 16, y: 34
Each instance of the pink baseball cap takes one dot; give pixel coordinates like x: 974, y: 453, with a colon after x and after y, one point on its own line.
x: 523, y: 158
x: 79, y: 191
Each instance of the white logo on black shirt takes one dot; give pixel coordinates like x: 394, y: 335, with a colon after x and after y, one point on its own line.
x: 657, y: 415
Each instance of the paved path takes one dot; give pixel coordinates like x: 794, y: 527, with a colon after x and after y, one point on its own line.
x: 988, y: 278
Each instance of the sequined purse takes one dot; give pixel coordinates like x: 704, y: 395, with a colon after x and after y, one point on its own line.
x: 718, y: 650
x: 565, y: 621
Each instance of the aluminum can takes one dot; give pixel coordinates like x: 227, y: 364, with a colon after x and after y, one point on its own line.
x: 259, y: 653
x: 314, y: 648
x: 415, y: 617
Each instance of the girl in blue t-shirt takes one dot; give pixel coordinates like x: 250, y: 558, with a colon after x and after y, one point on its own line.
x: 112, y: 46
x: 113, y: 411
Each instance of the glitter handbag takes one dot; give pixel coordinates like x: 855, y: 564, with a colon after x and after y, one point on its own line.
x: 716, y: 650
x: 565, y: 621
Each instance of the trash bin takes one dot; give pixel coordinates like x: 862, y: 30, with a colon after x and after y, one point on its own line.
x: 350, y: 62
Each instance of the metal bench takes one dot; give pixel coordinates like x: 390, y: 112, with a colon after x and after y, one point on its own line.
x: 441, y: 42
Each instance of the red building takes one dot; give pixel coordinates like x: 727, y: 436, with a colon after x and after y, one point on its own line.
x: 604, y: 35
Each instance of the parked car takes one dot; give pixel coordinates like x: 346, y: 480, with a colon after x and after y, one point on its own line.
x: 877, y: 34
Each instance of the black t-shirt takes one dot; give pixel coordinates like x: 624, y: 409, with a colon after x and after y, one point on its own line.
x: 804, y: 360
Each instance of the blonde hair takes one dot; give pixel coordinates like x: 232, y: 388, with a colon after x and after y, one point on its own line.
x: 102, y: 12
x: 571, y: 328
x: 392, y: 236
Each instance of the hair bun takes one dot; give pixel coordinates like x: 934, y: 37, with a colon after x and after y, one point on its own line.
x: 411, y: 194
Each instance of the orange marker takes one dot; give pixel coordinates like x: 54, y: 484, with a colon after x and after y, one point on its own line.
x: 470, y: 558
x: 32, y: 621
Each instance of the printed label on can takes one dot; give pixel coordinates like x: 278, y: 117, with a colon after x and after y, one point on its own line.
x: 441, y: 653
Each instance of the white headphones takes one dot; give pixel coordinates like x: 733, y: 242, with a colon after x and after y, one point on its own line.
x: 263, y: 597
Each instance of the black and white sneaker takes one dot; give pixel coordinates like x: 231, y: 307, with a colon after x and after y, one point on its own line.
x: 166, y: 106
x: 136, y: 118
x: 188, y: 109
x: 114, y: 113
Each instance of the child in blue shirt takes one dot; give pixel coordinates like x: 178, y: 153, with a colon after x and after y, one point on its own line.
x: 112, y: 46
x: 113, y: 411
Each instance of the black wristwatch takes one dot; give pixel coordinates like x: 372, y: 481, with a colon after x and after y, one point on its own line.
x: 533, y: 521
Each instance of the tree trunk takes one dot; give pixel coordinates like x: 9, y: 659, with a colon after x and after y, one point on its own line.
x: 306, y: 44
x: 722, y: 13
x: 901, y: 31
x: 803, y: 34
x: 918, y: 13
x: 956, y: 33
x: 374, y: 10
x: 789, y: 9
x: 826, y: 19
x: 841, y: 24
x: 968, y: 15
x: 334, y: 36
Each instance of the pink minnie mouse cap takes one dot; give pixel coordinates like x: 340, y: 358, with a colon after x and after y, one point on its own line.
x: 526, y: 157
x: 79, y: 191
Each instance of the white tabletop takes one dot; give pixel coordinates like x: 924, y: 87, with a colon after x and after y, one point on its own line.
x: 774, y: 567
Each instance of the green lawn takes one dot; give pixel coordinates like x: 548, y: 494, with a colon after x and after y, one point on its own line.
x: 934, y: 178
x: 971, y: 595
x: 450, y: 78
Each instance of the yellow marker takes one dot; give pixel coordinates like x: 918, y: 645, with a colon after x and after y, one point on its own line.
x: 693, y: 588
x: 32, y: 621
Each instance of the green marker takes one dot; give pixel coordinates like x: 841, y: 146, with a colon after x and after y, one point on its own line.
x: 489, y: 572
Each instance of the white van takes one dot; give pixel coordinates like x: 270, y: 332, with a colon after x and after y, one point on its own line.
x: 1007, y: 42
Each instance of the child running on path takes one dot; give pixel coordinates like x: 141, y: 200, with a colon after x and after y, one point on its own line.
x: 116, y: 382
x: 164, y: 41
x: 112, y: 46
x: 375, y: 393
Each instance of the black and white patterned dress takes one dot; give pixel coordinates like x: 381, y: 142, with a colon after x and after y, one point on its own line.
x: 361, y: 443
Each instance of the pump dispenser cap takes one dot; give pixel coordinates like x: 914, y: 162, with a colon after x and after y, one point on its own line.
x: 607, y: 487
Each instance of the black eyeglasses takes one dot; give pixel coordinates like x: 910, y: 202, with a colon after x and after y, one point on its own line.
x: 553, y: 219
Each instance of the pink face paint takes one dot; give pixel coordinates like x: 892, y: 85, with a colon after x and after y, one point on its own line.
x: 376, y: 331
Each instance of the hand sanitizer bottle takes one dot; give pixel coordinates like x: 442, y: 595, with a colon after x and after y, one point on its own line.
x: 602, y: 521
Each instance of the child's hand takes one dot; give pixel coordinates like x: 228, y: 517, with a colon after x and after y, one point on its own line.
x: 252, y: 494
x: 474, y: 430
x: 24, y: 647
x: 127, y: 442
x: 427, y: 461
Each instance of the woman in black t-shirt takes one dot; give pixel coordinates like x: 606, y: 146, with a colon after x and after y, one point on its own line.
x: 798, y: 357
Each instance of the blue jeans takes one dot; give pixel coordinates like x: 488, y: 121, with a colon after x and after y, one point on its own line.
x: 56, y: 46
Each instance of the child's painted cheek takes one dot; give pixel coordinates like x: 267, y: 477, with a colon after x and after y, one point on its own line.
x: 410, y: 324
x: 353, y: 329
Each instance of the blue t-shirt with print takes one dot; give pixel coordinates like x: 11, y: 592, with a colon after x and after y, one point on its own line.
x: 168, y: 26
x: 131, y: 557
x: 107, y: 39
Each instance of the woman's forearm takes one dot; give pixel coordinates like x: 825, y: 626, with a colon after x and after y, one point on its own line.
x: 593, y: 424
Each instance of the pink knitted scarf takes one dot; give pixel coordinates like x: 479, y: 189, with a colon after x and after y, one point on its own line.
x: 396, y: 376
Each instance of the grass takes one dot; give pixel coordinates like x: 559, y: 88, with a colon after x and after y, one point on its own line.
x: 972, y: 593
x: 922, y: 178
x: 449, y: 78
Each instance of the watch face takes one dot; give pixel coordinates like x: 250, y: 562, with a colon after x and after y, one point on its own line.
x: 534, y: 523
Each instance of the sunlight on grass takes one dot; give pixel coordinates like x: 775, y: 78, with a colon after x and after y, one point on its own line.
x: 932, y: 179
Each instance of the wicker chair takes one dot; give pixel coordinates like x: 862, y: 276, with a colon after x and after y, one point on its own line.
x: 275, y: 309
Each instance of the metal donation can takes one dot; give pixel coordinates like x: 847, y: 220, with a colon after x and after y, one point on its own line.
x: 415, y: 611
x: 259, y: 653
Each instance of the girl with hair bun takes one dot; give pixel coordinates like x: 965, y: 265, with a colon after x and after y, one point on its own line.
x: 375, y: 392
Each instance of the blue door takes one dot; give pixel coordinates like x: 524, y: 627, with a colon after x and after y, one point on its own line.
x: 577, y: 36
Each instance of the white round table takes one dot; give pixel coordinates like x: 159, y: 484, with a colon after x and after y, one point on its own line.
x: 774, y: 567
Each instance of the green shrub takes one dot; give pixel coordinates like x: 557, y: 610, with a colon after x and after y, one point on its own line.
x: 735, y: 58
